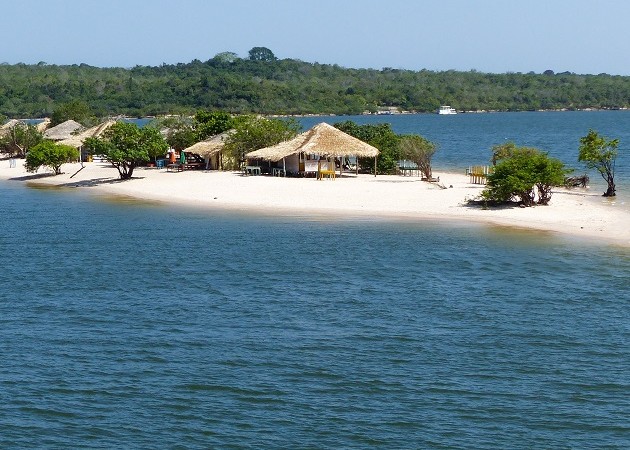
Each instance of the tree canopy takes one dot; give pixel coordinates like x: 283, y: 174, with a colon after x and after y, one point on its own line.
x: 380, y: 136
x: 126, y: 146
x: 263, y: 84
x: 50, y: 154
x: 77, y: 110
x: 419, y: 150
x: 600, y: 154
x: 254, y: 132
x: 19, y: 139
x: 261, y: 54
x: 524, y: 174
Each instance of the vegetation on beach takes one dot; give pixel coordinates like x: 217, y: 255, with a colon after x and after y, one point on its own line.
x: 182, y: 131
x: 522, y: 174
x: 380, y: 136
x: 254, y: 132
x: 262, y: 83
x: 393, y: 147
x: 420, y: 151
x: 126, y: 146
x: 49, y: 154
x: 19, y: 139
x: 600, y: 154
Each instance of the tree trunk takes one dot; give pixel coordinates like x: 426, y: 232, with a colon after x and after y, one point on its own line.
x: 610, y: 192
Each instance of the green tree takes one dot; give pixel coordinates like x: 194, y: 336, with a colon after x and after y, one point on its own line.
x: 419, y: 150
x: 179, y: 131
x: 380, y: 136
x: 19, y: 139
x: 524, y: 175
x: 226, y: 57
x: 261, y: 54
x: 255, y: 132
x: 210, y: 123
x: 600, y: 154
x: 77, y: 110
x: 49, y: 154
x: 126, y: 146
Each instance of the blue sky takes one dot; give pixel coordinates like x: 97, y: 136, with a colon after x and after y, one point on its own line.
x: 486, y: 35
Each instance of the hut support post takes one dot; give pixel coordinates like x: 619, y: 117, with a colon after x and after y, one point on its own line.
x: 375, y: 166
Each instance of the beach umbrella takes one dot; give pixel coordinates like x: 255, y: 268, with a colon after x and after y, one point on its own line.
x: 182, y: 157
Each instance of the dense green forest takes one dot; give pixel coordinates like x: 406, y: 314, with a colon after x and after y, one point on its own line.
x: 264, y: 84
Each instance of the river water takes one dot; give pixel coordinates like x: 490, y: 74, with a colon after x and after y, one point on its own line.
x: 133, y: 325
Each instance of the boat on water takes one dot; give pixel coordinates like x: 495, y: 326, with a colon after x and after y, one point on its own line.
x: 446, y: 110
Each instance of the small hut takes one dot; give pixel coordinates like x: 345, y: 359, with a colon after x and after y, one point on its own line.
x: 76, y: 140
x: 303, y: 154
x: 211, y: 150
x: 63, y: 131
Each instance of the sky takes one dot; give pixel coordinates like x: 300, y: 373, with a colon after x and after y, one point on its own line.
x: 496, y: 36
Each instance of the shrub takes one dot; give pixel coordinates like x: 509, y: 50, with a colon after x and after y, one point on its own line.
x: 49, y: 154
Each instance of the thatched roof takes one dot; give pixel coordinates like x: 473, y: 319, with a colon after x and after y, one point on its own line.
x: 10, y: 124
x: 4, y: 129
x: 210, y: 146
x: 322, y: 140
x: 77, y: 139
x: 41, y: 126
x: 62, y: 131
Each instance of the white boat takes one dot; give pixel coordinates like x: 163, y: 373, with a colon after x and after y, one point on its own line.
x: 446, y: 110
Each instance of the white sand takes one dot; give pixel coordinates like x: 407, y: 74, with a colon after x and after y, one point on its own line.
x: 577, y: 212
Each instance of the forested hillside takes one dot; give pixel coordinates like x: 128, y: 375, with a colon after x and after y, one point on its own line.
x: 289, y: 86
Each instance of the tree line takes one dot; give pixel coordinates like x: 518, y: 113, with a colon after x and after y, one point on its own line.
x: 263, y: 84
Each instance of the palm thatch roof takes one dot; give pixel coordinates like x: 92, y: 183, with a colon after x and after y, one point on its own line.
x: 10, y: 124
x: 4, y: 129
x: 323, y: 140
x: 62, y: 131
x: 210, y: 146
x: 77, y: 140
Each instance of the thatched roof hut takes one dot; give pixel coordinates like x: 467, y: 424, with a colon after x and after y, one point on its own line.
x: 10, y: 124
x: 210, y: 146
x: 323, y: 140
x: 63, y: 131
x: 4, y: 129
x: 77, y: 140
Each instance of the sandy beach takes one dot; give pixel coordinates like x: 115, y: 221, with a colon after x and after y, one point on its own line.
x: 576, y: 212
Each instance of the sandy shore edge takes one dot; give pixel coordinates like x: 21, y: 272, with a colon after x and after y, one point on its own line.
x: 577, y: 212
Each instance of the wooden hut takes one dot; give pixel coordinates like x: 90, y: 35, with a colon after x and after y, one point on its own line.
x: 303, y: 154
x: 211, y: 150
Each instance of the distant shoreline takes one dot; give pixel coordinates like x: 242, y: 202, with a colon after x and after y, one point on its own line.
x: 400, y: 113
